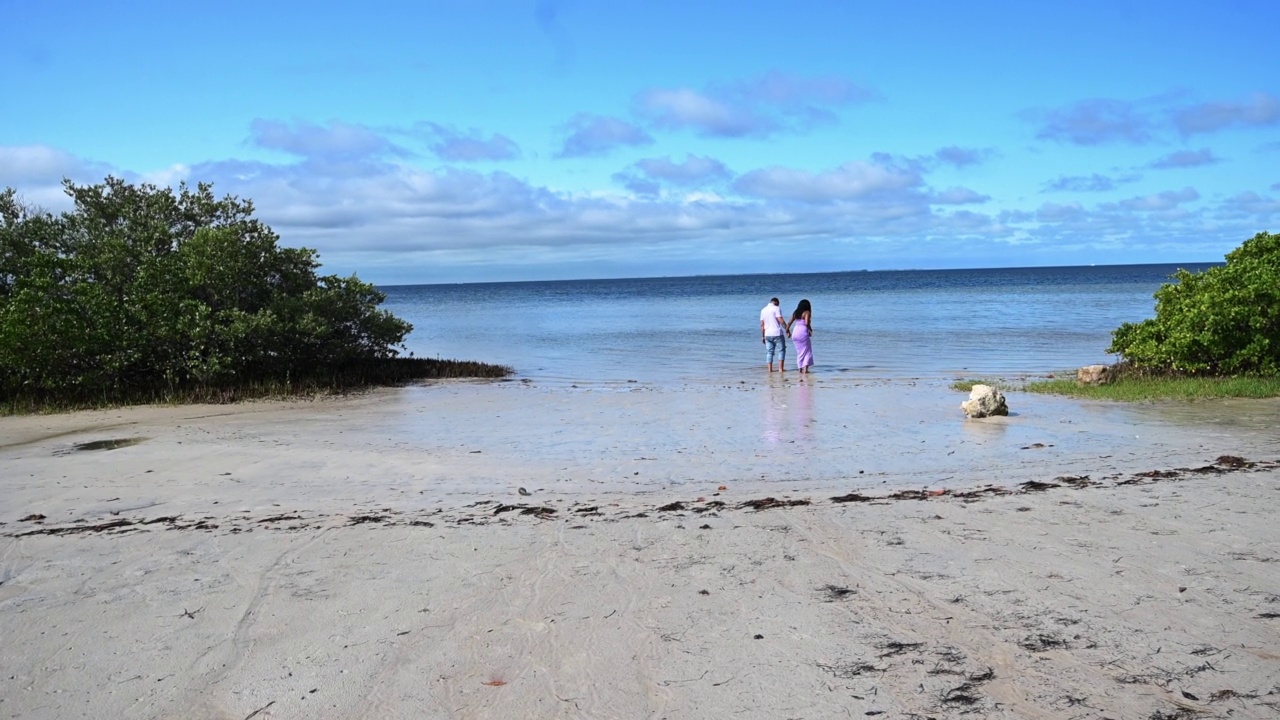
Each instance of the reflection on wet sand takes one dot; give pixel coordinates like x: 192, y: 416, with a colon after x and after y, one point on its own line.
x: 802, y: 415
x: 786, y: 411
x: 773, y: 406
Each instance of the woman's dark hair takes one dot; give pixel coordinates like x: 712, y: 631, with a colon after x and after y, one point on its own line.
x: 801, y: 309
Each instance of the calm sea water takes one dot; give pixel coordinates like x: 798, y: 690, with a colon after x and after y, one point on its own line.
x: 882, y: 324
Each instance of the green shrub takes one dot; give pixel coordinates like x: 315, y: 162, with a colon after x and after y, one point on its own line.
x: 144, y: 289
x: 1223, y: 321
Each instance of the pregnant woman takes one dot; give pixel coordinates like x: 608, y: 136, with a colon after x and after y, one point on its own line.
x: 800, y: 328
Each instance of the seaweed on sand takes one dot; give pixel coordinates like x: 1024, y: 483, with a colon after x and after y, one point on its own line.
x: 525, y: 510
x: 833, y: 593
x: 770, y: 502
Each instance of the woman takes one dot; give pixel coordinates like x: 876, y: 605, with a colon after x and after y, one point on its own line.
x: 800, y: 328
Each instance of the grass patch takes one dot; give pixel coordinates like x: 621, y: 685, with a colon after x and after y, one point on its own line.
x: 1137, y: 389
x: 353, y: 377
x: 966, y: 384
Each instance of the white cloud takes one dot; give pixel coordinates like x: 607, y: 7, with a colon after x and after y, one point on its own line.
x: 959, y: 196
x: 1185, y: 159
x: 963, y: 157
x: 1160, y: 201
x: 1260, y: 110
x: 337, y: 141
x: 1095, y: 121
x: 390, y: 219
x: 1093, y: 183
x: 590, y: 135
x: 165, y: 177
x: 685, y: 108
x: 1251, y: 204
x: 646, y: 176
x: 451, y: 144
x: 1061, y: 212
x: 43, y: 165
x: 695, y: 169
x: 37, y: 172
x: 850, y: 181
x: 759, y: 107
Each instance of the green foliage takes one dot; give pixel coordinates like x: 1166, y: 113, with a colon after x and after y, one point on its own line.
x: 1223, y: 321
x: 140, y: 288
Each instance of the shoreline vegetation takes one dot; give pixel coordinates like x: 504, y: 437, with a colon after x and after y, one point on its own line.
x: 1136, y: 388
x: 1141, y: 389
x: 350, y: 378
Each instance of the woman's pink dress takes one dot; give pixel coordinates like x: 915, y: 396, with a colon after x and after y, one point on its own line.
x: 800, y: 337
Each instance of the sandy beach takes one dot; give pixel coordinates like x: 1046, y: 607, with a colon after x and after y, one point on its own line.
x: 768, y: 549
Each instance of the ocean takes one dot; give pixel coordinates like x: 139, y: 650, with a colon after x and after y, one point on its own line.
x: 868, y: 324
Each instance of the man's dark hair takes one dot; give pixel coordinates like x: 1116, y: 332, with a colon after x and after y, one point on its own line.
x: 774, y: 301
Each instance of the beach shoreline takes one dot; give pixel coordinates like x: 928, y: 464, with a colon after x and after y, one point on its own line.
x: 304, y: 559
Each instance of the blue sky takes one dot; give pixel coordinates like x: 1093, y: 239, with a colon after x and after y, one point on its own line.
x: 456, y: 141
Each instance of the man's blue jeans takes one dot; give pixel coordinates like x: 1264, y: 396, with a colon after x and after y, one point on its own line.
x: 775, y: 344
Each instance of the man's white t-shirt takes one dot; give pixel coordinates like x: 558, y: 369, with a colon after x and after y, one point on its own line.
x: 771, y: 316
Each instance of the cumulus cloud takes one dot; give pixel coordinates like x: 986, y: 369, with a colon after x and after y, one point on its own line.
x: 338, y: 141
x: 1080, y: 183
x: 1185, y: 159
x: 401, y: 208
x: 453, y: 145
x: 1261, y: 110
x: 758, y: 107
x: 1100, y: 121
x: 1015, y: 217
x: 1166, y: 200
x: 1095, y: 122
x: 37, y: 172
x: 598, y: 135
x: 959, y: 196
x: 27, y: 165
x: 638, y: 184
x: 963, y: 157
x: 684, y: 108
x: 1061, y: 212
x: 695, y: 170
x: 1252, y: 204
x: 460, y: 216
x: 646, y: 177
x: 850, y: 181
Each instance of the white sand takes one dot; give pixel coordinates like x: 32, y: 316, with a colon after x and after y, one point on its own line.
x: 372, y: 558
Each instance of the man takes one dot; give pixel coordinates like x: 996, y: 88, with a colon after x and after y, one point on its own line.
x: 772, y: 327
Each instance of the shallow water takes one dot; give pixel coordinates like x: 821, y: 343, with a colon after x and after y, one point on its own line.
x: 775, y: 434
x: 894, y: 324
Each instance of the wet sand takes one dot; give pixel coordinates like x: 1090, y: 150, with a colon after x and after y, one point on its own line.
x: 373, y: 557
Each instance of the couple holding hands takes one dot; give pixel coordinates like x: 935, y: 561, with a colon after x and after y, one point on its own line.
x: 799, y: 328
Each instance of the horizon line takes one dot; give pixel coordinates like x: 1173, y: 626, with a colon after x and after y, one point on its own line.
x: 780, y: 274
